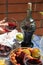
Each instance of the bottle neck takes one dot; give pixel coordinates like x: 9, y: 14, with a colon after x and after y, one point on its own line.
x: 29, y: 14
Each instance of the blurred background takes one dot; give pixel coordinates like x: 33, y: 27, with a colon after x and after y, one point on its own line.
x: 17, y: 9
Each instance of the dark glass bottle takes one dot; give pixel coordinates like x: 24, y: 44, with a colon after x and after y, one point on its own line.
x: 28, y: 27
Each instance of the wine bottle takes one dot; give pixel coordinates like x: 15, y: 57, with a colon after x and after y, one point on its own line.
x: 28, y: 26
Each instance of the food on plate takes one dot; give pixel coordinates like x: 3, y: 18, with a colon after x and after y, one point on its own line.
x: 4, y: 50
x: 26, y: 51
x: 36, y: 53
x: 19, y: 36
x: 18, y: 55
x: 30, y: 49
x: 18, y: 51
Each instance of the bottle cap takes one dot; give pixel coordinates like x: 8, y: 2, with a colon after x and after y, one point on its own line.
x: 30, y: 6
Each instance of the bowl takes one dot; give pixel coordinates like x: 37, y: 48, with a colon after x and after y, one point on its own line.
x: 17, y: 55
x: 4, y: 50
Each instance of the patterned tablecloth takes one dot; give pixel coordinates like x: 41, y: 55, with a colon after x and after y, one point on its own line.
x: 36, y: 41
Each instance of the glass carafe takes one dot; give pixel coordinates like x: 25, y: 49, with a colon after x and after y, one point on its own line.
x: 28, y: 27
